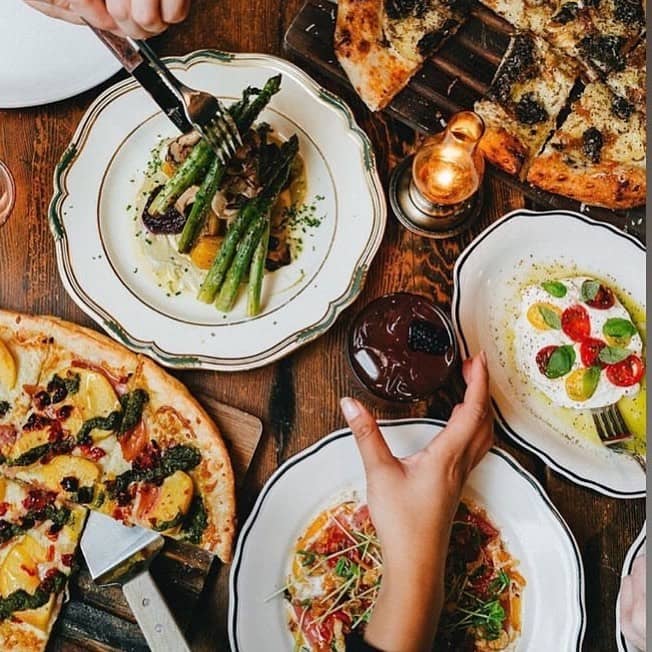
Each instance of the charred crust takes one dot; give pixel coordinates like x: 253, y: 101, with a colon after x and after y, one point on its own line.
x: 592, y: 143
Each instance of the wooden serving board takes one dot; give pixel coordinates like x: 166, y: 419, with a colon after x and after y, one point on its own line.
x: 98, y: 618
x: 458, y: 74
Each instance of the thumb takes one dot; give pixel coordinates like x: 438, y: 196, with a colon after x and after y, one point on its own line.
x: 371, y: 443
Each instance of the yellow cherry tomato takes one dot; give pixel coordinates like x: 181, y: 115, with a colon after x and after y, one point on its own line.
x: 537, y: 312
x: 582, y: 383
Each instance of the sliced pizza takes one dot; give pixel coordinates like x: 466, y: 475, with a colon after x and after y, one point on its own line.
x: 381, y: 44
x: 531, y: 86
x: 597, y: 156
x: 630, y: 83
x: 102, y: 427
x: 38, y: 539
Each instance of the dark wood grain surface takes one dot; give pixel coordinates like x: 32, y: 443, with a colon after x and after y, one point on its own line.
x: 296, y: 398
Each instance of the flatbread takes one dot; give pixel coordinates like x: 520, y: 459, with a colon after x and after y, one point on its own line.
x: 596, y: 156
x: 531, y: 86
x: 168, y: 469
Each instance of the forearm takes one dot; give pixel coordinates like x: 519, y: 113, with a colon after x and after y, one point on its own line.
x: 408, y: 607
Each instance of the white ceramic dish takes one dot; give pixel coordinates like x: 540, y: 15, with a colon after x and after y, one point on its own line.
x: 45, y: 60
x: 533, y: 529
x: 98, y: 179
x: 525, y: 247
x: 637, y: 549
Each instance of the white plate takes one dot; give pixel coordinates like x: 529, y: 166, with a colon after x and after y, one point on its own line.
x: 532, y: 528
x: 45, y: 60
x: 637, y: 549
x: 99, y: 176
x: 518, y: 249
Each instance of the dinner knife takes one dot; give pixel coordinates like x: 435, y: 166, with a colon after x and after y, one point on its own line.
x: 119, y: 554
x: 138, y: 66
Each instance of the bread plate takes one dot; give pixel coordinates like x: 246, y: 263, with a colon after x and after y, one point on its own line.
x: 637, y: 549
x: 531, y: 526
x: 526, y: 247
x: 97, y: 180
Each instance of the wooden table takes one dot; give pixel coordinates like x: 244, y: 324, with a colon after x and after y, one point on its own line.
x: 297, y: 398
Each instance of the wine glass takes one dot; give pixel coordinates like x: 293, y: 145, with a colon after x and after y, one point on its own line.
x: 7, y: 193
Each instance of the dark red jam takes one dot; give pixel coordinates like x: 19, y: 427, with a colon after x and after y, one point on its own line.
x: 402, y: 347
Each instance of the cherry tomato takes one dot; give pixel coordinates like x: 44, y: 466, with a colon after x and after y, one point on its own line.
x: 590, y: 352
x: 603, y: 300
x: 627, y: 372
x: 543, y: 357
x: 575, y: 323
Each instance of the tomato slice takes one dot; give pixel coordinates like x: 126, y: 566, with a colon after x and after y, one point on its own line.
x: 575, y: 323
x: 590, y: 352
x: 627, y: 372
x: 543, y: 357
x: 603, y: 300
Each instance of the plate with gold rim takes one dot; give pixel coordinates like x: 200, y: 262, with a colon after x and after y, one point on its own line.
x: 109, y: 273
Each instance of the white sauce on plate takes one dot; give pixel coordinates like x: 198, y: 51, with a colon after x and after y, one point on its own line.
x: 530, y: 340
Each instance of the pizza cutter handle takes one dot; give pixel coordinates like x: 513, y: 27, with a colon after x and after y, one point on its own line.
x: 153, y: 616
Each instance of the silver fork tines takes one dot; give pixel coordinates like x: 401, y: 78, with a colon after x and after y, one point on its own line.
x: 613, y: 432
x: 203, y: 110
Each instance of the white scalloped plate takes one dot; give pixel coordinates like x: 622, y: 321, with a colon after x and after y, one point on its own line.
x: 516, y: 250
x: 533, y: 530
x: 98, y: 177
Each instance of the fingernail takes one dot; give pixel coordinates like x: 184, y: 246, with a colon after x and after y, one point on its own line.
x: 483, y: 357
x: 350, y: 408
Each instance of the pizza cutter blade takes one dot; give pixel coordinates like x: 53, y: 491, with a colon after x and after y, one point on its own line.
x: 118, y: 554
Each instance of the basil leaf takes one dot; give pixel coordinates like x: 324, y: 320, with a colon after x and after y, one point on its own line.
x: 613, y: 354
x: 590, y: 380
x: 561, y: 361
x: 551, y: 317
x: 554, y: 288
x: 589, y: 290
x: 618, y: 327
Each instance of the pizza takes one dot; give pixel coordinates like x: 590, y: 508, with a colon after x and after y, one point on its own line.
x: 630, y: 83
x: 86, y: 424
x: 336, y: 572
x: 597, y: 156
x: 38, y: 539
x: 531, y: 86
x: 96, y: 425
x: 381, y: 44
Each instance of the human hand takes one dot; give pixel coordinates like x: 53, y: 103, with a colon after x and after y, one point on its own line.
x: 135, y: 18
x: 632, y: 604
x: 412, y: 502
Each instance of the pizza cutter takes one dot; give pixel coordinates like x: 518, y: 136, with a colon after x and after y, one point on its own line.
x: 119, y: 554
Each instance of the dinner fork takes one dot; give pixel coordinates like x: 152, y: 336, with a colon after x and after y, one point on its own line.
x: 613, y: 432
x: 182, y: 104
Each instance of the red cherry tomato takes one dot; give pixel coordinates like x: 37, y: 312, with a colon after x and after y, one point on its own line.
x: 590, y: 352
x: 603, y: 300
x: 543, y: 357
x: 575, y: 323
x: 627, y: 372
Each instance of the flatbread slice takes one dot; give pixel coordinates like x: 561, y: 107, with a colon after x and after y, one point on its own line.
x: 381, y: 44
x: 597, y: 156
x: 38, y: 540
x: 531, y: 86
x: 630, y: 83
x: 108, y: 429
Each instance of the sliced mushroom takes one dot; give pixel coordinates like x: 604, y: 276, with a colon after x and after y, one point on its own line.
x: 180, y: 147
x: 187, y: 198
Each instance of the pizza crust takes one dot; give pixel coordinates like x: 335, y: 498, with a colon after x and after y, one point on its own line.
x: 214, y: 476
x: 376, y: 71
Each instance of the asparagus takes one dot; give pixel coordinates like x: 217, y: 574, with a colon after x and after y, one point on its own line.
x: 198, y: 159
x: 241, y: 261
x: 244, y: 113
x: 252, y: 210
x: 257, y: 271
x: 199, y: 209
